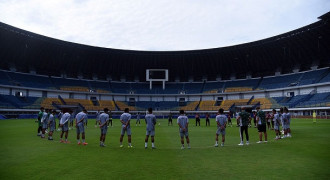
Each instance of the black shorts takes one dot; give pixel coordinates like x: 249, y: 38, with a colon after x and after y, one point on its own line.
x: 262, y: 128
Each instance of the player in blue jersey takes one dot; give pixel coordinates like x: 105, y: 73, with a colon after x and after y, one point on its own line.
x: 79, y: 121
x: 151, y: 121
x: 183, y: 123
x: 103, y: 124
x: 221, y: 121
x: 125, y: 120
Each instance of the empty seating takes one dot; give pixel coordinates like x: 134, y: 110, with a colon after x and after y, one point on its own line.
x: 100, y: 86
x: 208, y: 106
x: 28, y: 80
x: 107, y: 104
x: 71, y: 84
x: 191, y: 106
x: 279, y: 81
x: 123, y: 105
x: 238, y: 89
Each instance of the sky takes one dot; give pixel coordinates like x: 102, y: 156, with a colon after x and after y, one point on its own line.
x: 161, y: 25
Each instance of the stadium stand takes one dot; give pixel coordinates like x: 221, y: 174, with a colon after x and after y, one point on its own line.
x: 4, y: 78
x: 87, y: 104
x: 312, y: 76
x: 100, y: 86
x: 48, y: 103
x: 193, y: 88
x: 326, y: 78
x: 213, y: 87
x: 265, y: 103
x: 8, y: 101
x: 208, y: 105
x: 241, y: 85
x: 29, y: 80
x: 279, y: 81
x: 191, y: 106
x: 107, y: 104
x: 122, y: 105
x: 317, y: 100
x: 71, y: 84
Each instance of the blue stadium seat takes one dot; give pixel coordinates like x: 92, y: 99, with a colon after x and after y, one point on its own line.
x: 28, y: 80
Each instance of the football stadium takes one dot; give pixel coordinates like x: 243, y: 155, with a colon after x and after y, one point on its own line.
x: 257, y: 110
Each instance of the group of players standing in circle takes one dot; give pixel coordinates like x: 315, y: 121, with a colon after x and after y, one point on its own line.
x: 46, y: 119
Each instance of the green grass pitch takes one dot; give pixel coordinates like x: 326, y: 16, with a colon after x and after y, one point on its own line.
x: 23, y: 155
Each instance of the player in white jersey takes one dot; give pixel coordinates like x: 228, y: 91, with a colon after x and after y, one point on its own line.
x: 44, y: 122
x: 103, y: 124
x: 71, y: 120
x: 51, y: 125
x: 287, y: 121
x: 150, y: 122
x: 59, y: 119
x: 125, y: 120
x: 97, y: 118
x: 79, y: 121
x: 183, y: 128
x: 138, y: 119
x: 277, y: 123
x: 64, y: 123
x: 221, y: 121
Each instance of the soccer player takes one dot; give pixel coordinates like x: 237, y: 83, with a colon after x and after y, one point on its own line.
x: 103, y: 124
x: 150, y: 122
x: 268, y: 119
x: 286, y: 120
x: 85, y: 120
x: 170, y: 120
x: 60, y: 114
x: 110, y: 119
x: 71, y: 120
x: 138, y: 119
x: 255, y: 119
x: 64, y: 123
x: 183, y: 128
x: 261, y: 120
x: 272, y: 120
x: 221, y: 121
x: 243, y: 120
x: 207, y: 119
x: 39, y: 121
x: 51, y: 124
x: 97, y: 119
x: 79, y: 121
x: 277, y: 123
x: 44, y: 122
x: 198, y: 120
x: 229, y: 120
x: 125, y: 119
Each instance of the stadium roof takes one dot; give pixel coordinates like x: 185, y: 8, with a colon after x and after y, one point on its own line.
x: 300, y: 48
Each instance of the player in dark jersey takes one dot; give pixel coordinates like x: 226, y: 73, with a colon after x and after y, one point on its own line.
x: 243, y: 120
x: 261, y: 120
x: 207, y: 119
x: 198, y: 120
x: 229, y: 120
x: 170, y: 119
